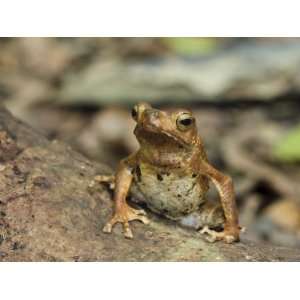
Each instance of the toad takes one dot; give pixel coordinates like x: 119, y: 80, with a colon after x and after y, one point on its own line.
x: 170, y: 174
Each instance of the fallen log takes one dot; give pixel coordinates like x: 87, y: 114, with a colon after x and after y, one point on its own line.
x: 252, y: 71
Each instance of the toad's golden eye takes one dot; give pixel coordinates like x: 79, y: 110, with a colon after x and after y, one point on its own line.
x: 185, y: 121
x: 134, y: 112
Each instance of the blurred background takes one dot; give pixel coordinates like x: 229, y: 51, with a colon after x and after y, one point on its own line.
x: 244, y: 92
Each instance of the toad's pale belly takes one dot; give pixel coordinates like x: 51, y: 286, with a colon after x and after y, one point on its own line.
x: 173, y: 194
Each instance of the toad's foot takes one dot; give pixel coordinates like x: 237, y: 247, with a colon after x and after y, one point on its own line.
x: 124, y: 216
x: 110, y: 179
x: 226, y: 235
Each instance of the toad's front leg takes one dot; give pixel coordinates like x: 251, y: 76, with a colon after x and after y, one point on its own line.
x: 224, y: 186
x: 123, y: 212
x: 213, y: 235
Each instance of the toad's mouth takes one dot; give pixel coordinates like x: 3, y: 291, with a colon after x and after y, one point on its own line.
x: 157, y: 136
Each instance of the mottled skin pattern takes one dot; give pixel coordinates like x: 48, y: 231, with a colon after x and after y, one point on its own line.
x: 170, y: 174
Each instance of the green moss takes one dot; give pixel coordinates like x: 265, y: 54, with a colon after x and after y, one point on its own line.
x: 288, y: 149
x: 192, y: 46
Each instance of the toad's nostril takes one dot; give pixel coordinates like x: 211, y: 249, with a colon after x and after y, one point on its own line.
x: 152, y: 114
x: 151, y: 117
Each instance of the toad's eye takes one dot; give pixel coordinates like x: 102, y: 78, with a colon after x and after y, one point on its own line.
x: 185, y: 121
x: 134, y: 112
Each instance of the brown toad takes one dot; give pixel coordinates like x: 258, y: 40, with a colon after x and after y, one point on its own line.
x: 170, y: 173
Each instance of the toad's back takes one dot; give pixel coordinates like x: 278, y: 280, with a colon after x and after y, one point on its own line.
x: 172, y: 192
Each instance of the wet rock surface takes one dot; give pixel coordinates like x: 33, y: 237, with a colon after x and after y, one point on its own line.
x: 49, y: 213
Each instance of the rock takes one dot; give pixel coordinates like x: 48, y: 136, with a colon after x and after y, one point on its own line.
x: 48, y: 213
